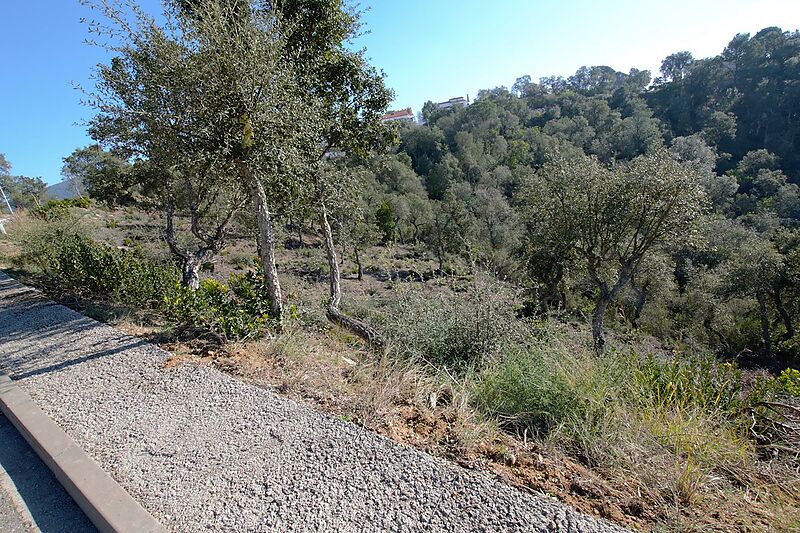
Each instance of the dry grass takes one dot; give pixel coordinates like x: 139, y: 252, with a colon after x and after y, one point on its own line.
x: 670, y: 470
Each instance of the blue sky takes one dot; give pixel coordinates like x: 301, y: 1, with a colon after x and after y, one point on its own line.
x: 430, y: 50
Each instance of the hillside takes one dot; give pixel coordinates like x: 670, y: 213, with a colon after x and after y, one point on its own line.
x: 586, y: 286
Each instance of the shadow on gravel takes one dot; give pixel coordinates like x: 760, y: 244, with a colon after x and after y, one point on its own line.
x: 27, y: 315
x: 48, y: 503
x: 77, y: 361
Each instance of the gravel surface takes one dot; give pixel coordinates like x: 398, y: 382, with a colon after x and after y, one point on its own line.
x: 203, y: 451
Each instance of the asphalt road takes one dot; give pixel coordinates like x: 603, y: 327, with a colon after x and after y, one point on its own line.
x: 31, y: 499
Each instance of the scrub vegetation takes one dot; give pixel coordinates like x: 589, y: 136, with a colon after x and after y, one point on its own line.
x: 588, y: 286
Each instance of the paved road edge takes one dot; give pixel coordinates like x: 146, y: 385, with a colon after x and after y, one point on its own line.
x: 110, y: 508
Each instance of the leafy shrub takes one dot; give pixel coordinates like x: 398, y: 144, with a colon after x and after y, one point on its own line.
x: 233, y: 312
x: 82, y: 202
x: 242, y: 260
x: 62, y: 251
x: 790, y: 382
x: 72, y: 260
x: 53, y: 210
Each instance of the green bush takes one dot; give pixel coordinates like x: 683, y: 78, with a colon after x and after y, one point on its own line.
x: 53, y: 210
x: 234, y: 312
x: 456, y: 331
x: 73, y: 261
x: 61, y: 250
x: 81, y: 202
x: 547, y: 392
x: 790, y: 382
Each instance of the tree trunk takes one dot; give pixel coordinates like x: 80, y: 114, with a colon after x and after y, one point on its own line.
x: 604, y: 298
x: 334, y: 314
x: 785, y: 316
x: 335, y: 276
x: 266, y: 242
x: 762, y: 311
x: 360, y: 266
x: 552, y: 293
x: 191, y: 272
x: 598, y: 336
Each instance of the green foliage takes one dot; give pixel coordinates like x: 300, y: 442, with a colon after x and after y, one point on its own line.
x: 82, y: 202
x: 384, y: 218
x: 454, y: 331
x: 103, y: 175
x: 544, y: 392
x: 21, y: 191
x: 693, y: 383
x: 691, y: 409
x: 62, y: 251
x: 72, y: 260
x: 53, y: 210
x: 232, y: 312
x: 790, y: 382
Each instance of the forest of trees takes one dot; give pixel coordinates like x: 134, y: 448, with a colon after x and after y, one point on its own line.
x: 669, y: 205
x: 20, y: 191
x: 709, y: 148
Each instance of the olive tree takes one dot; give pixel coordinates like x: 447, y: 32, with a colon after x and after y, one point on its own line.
x: 348, y: 96
x: 208, y: 98
x: 608, y: 219
x: 344, y: 98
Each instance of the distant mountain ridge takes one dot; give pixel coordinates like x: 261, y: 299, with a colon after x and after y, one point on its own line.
x: 60, y: 191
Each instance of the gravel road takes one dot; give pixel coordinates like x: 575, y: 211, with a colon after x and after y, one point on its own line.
x: 203, y: 451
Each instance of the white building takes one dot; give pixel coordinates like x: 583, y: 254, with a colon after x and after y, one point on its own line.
x: 453, y: 102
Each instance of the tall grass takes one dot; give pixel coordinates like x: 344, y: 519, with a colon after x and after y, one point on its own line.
x: 682, y: 426
x: 682, y: 429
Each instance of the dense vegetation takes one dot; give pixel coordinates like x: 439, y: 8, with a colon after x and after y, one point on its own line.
x: 535, y: 183
x: 589, y: 260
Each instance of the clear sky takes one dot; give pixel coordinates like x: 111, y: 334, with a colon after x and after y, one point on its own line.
x: 430, y: 50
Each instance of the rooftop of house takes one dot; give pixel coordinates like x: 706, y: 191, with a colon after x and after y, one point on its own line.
x: 403, y: 113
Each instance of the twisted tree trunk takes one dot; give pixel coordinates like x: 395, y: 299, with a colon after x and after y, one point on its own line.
x: 266, y: 241
x: 334, y: 314
x: 190, y: 270
x: 360, y: 265
x: 604, y: 298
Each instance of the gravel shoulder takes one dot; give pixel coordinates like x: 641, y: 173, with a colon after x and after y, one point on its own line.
x: 202, y: 451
